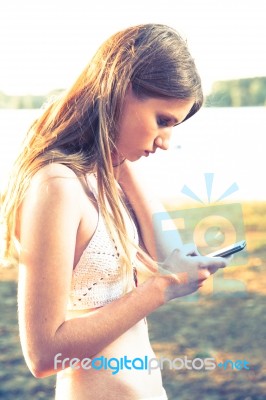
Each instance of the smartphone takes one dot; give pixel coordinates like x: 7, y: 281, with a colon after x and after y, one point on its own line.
x: 227, y: 251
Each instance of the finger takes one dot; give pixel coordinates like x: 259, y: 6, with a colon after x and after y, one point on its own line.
x: 226, y: 261
x: 213, y: 262
x: 229, y: 258
x: 213, y: 270
x: 203, y: 274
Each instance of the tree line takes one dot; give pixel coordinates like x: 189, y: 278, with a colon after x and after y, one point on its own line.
x: 238, y: 93
x: 26, y: 101
x: 229, y: 93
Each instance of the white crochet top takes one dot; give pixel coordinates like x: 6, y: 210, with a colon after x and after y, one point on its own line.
x: 96, y: 279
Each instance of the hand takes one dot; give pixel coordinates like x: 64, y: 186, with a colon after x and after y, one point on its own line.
x: 184, y: 273
x: 190, y: 249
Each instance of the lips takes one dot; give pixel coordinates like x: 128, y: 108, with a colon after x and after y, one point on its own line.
x: 147, y: 152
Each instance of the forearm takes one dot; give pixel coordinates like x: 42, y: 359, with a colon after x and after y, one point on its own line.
x: 85, y: 336
x: 149, y: 212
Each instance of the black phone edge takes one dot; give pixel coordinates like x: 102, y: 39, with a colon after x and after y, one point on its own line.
x: 234, y: 250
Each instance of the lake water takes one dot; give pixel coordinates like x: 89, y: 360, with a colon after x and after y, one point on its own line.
x: 227, y: 144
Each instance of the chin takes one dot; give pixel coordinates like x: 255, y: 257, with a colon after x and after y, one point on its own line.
x: 137, y: 158
x: 133, y: 158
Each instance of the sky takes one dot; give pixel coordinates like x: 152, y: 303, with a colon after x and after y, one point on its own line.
x: 45, y: 45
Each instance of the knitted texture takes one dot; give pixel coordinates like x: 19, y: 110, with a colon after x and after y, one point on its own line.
x: 97, y: 278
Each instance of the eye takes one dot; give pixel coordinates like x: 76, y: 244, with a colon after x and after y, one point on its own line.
x: 163, y: 121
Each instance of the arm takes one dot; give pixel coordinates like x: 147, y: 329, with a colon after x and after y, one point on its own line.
x: 146, y: 206
x: 50, y: 218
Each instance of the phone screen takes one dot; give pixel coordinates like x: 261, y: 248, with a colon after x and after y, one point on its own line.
x: 227, y: 251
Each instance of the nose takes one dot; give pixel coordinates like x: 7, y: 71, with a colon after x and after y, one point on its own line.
x: 162, y: 142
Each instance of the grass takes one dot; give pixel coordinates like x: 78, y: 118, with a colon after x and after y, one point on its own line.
x: 226, y: 320
x: 228, y: 323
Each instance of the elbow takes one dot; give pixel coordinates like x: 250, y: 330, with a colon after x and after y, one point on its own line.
x: 41, y: 366
x: 39, y: 372
x: 42, y: 357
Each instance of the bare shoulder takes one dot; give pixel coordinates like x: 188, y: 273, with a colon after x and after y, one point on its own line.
x: 56, y: 169
x: 55, y: 181
x: 55, y: 176
x: 52, y: 188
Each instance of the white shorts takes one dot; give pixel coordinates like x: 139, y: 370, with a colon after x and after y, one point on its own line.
x: 163, y: 396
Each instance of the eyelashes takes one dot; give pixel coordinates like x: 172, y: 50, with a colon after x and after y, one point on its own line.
x: 163, y: 122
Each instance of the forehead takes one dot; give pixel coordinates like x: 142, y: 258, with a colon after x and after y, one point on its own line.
x: 177, y: 109
x: 168, y: 103
x: 174, y: 108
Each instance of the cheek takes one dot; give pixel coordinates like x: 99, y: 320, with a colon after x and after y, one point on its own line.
x: 136, y: 130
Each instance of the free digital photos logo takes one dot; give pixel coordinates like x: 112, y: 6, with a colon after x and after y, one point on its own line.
x: 210, y: 226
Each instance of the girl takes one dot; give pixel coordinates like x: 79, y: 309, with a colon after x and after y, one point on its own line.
x: 83, y: 221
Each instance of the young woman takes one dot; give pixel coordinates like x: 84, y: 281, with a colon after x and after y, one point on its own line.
x: 83, y: 221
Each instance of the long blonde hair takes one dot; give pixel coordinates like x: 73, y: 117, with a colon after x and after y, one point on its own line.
x: 79, y: 129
